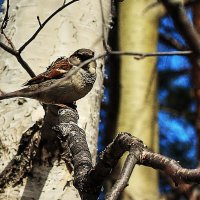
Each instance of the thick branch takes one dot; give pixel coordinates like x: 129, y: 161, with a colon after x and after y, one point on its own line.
x: 89, y: 180
x: 122, y: 180
x: 170, y: 167
x: 81, y: 158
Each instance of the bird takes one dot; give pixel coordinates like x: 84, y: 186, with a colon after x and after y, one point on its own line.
x: 67, y: 91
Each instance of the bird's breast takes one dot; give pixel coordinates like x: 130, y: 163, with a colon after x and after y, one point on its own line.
x: 72, y: 89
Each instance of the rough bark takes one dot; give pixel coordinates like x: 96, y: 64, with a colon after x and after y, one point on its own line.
x: 75, y: 27
x: 138, y: 106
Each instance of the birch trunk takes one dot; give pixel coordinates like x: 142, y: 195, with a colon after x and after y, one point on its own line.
x: 138, y: 106
x: 77, y: 26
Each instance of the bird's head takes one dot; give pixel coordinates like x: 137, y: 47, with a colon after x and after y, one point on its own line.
x: 80, y: 56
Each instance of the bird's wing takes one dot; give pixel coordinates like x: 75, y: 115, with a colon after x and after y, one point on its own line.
x: 55, y: 70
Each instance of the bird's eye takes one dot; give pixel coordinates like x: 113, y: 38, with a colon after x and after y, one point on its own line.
x: 85, y: 67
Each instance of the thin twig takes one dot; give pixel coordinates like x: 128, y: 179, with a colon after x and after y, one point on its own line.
x: 9, y: 41
x: 6, y: 18
x: 70, y: 73
x: 181, y: 21
x: 172, y: 42
x: 16, y: 53
x: 43, y: 24
x: 105, y: 44
x: 4, y: 25
x: 138, y: 55
x: 19, y: 58
x: 38, y: 18
x: 150, y: 6
x: 25, y: 65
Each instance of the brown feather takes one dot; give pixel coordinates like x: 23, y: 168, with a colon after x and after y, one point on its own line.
x: 54, y: 71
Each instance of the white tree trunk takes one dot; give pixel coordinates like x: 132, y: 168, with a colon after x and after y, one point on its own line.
x: 77, y: 26
x: 138, y: 31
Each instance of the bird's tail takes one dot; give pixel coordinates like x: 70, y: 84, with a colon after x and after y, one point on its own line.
x: 18, y: 93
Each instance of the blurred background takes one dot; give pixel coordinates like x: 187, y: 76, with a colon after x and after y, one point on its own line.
x: 175, y: 98
x: 151, y: 98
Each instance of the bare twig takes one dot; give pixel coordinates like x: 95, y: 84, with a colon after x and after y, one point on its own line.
x: 9, y: 41
x: 25, y: 65
x: 150, y: 6
x: 43, y: 24
x: 18, y: 57
x: 16, y: 53
x: 6, y: 17
x: 172, y: 42
x: 8, y: 49
x: 179, y: 16
x: 38, y: 18
x: 12, y: 50
x: 105, y: 44
x: 138, y: 55
x: 4, y: 25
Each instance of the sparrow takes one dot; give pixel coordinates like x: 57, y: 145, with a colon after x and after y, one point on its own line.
x: 67, y: 91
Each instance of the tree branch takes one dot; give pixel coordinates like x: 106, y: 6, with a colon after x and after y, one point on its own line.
x: 16, y: 53
x: 171, y: 167
x: 6, y: 18
x: 140, y: 55
x: 177, y: 11
x: 8, y: 49
x: 172, y: 42
x: 43, y: 24
x: 68, y: 131
x: 25, y: 65
x: 122, y: 180
x: 89, y: 180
